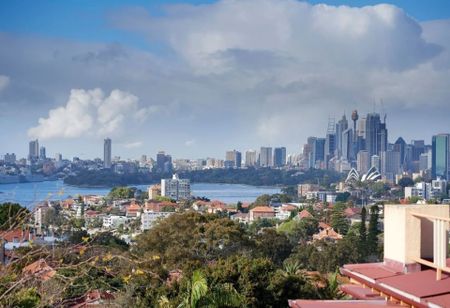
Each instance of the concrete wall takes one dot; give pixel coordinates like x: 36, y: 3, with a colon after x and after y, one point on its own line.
x: 407, y: 237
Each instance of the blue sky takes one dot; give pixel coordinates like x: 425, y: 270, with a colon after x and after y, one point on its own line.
x: 230, y: 74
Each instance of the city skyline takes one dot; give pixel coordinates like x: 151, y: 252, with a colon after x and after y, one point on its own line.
x: 139, y: 74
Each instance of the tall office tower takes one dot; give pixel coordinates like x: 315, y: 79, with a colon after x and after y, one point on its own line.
x: 375, y: 162
x: 347, y: 145
x: 376, y: 134
x: 107, y: 153
x: 33, y: 152
x: 160, y: 161
x: 418, y: 148
x: 423, y: 162
x: 363, y: 161
x: 318, y: 150
x: 176, y: 188
x: 390, y: 164
x: 330, y: 140
x: 440, y: 156
x: 250, y: 158
x: 265, y: 157
x: 58, y: 157
x: 279, y: 157
x: 400, y: 146
x: 233, y: 159
x: 383, y: 139
x: 341, y: 126
x: 42, y: 154
x: 361, y: 132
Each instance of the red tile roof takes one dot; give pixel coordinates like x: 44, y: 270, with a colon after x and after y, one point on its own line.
x: 304, y: 214
x: 263, y: 209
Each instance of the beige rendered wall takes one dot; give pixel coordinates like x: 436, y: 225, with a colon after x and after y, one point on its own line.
x: 407, y: 237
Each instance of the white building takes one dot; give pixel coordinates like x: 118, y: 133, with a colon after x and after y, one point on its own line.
x: 175, y: 188
x: 114, y: 221
x: 149, y: 218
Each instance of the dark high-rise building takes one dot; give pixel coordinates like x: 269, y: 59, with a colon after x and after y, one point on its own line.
x: 341, y: 126
x: 347, y: 145
x: 330, y: 146
x: 107, y: 153
x: 400, y: 146
x: 42, y: 154
x: 163, y: 162
x: 279, y: 157
x: 440, y: 156
x: 33, y: 152
x: 418, y: 148
x: 376, y: 134
x: 319, y: 149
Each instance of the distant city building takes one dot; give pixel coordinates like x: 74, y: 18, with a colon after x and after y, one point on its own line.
x: 176, y: 188
x: 163, y: 162
x: 154, y: 192
x: 363, y: 161
x: 318, y: 150
x: 341, y: 127
x: 265, y: 157
x: 58, y: 157
x: 42, y: 154
x: 233, y: 159
x: 346, y: 144
x: 400, y: 146
x: 376, y: 134
x: 250, y: 158
x: 9, y: 158
x: 107, y: 153
x: 33, y: 152
x: 279, y: 157
x: 390, y: 164
x: 375, y: 162
x: 440, y: 156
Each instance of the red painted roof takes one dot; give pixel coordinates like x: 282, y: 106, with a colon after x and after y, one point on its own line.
x: 340, y: 304
x: 263, y: 209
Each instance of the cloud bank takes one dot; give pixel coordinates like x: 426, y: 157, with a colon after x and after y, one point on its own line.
x: 89, y: 112
x: 234, y: 74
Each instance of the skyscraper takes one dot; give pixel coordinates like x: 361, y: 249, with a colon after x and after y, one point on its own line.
x: 400, y: 146
x: 107, y: 153
x: 265, y: 157
x: 42, y: 154
x: 318, y: 150
x: 33, y: 152
x: 347, y: 145
x: 163, y: 162
x: 440, y: 156
x: 363, y: 161
x: 250, y: 158
x: 376, y: 134
x: 279, y: 157
x: 233, y: 159
x: 390, y: 164
x: 341, y: 126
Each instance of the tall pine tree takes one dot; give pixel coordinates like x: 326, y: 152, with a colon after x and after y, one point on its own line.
x: 363, y: 234
x: 372, y: 236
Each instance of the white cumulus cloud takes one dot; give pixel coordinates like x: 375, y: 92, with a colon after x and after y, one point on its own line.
x: 89, y: 112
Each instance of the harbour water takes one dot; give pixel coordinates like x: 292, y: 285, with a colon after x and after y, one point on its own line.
x: 29, y: 194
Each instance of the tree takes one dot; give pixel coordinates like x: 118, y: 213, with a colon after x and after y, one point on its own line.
x: 273, y: 245
x: 338, y: 220
x: 199, y: 294
x: 12, y: 215
x: 372, y: 236
x: 405, y: 182
x: 363, y: 233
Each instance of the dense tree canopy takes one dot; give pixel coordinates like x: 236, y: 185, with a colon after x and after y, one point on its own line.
x: 11, y: 215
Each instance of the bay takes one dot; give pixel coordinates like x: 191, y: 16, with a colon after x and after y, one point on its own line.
x: 29, y: 194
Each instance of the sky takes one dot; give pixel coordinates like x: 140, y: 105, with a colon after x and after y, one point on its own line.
x: 197, y: 78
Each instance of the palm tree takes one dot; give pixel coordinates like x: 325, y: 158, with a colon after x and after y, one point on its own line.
x: 199, y: 294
